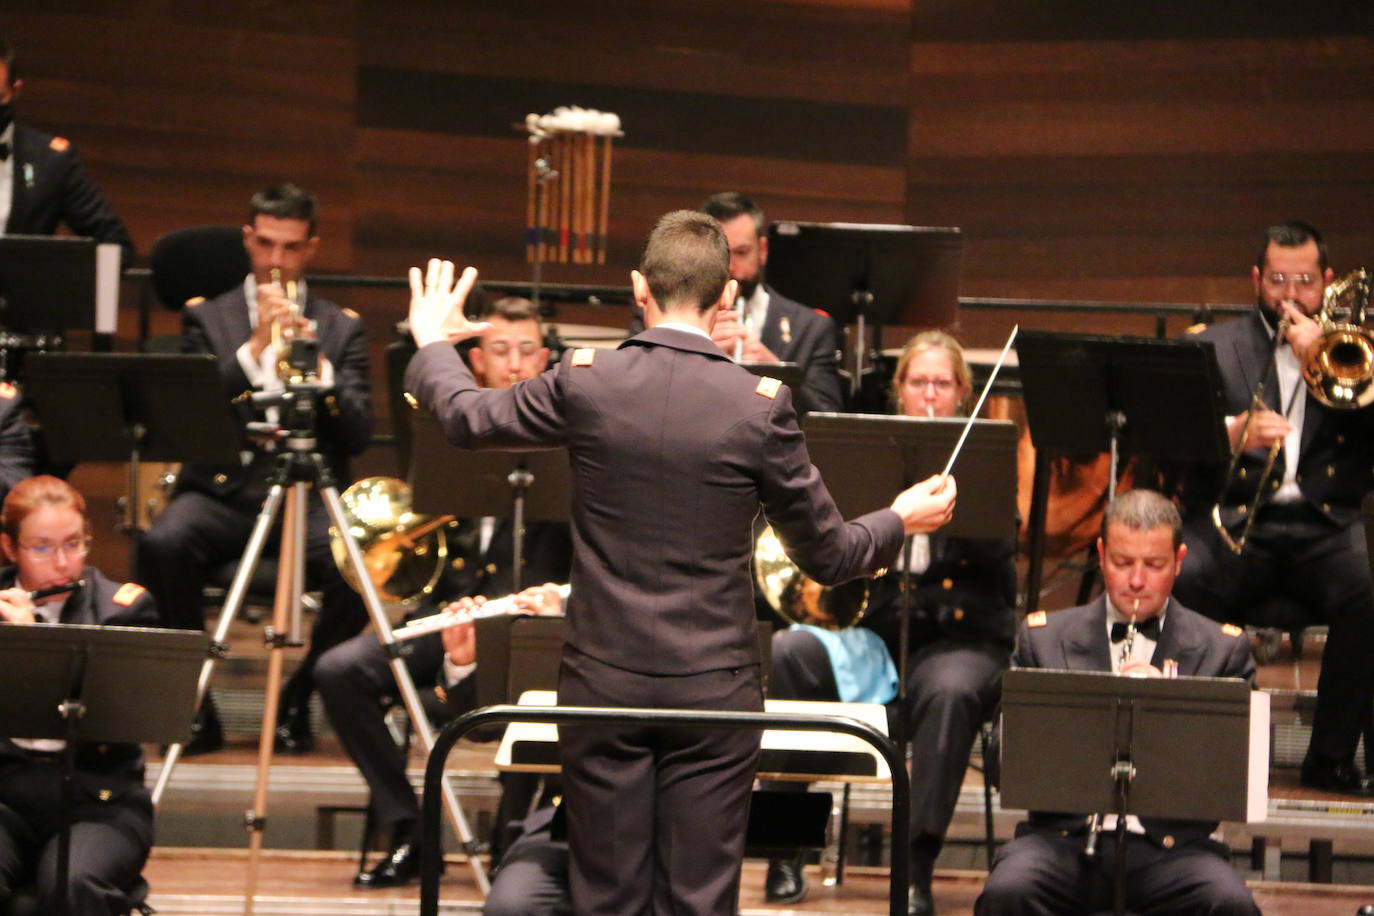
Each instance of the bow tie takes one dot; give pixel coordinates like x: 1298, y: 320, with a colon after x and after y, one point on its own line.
x: 4, y: 151
x: 1149, y: 628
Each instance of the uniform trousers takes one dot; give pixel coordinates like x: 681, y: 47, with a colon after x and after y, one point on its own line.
x: 656, y: 816
x: 110, y: 838
x: 356, y: 684
x: 1044, y: 873
x: 1293, y: 553
x: 533, y: 877
x: 952, y: 686
x: 197, y: 533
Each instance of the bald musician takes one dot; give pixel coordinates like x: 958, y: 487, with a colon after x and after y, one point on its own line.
x: 673, y: 449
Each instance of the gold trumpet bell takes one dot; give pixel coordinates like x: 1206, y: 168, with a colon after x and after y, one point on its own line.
x: 404, y: 553
x: 1339, y: 366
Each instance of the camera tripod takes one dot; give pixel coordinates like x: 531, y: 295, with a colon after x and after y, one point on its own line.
x: 298, y: 468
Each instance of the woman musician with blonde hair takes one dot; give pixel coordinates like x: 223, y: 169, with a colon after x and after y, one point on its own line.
x: 962, y: 627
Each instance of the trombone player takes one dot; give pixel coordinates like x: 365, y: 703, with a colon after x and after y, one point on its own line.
x: 1297, y: 527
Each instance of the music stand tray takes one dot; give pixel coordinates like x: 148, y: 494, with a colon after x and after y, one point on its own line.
x: 105, y: 406
x: 1161, y: 397
x: 1200, y: 746
x: 867, y: 459
x: 885, y: 274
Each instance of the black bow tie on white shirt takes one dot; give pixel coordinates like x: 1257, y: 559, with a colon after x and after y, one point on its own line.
x: 1149, y: 628
x: 4, y: 151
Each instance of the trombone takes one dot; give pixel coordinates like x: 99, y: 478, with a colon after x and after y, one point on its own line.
x: 1338, y: 369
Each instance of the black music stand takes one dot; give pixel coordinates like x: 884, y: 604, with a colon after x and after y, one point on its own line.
x: 866, y: 275
x: 89, y: 683
x: 1123, y: 395
x: 866, y: 460
x: 133, y: 407
x: 1188, y: 748
x: 522, y: 486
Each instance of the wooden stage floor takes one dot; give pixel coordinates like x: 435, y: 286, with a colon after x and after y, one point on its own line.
x: 211, y: 881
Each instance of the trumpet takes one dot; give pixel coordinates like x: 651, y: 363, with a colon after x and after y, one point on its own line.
x: 283, y: 335
x: 434, y: 623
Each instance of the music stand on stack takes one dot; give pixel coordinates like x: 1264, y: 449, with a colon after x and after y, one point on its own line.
x: 1187, y: 748
x: 89, y: 683
x: 1140, y: 396
x: 869, y: 275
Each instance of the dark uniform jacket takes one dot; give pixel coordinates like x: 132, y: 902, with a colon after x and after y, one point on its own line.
x: 344, y: 418
x: 801, y: 335
x: 968, y: 593
x: 51, y: 187
x: 1336, y: 455
x: 672, y: 448
x: 99, y: 602
x: 1076, y: 640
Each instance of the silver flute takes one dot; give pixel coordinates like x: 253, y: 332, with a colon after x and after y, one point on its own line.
x: 442, y: 621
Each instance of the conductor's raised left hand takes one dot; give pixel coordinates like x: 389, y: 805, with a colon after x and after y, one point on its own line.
x: 436, y: 304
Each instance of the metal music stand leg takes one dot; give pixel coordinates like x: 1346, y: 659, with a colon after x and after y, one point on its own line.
x: 405, y: 685
x: 229, y: 611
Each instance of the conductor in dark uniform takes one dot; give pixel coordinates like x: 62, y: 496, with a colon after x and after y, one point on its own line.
x: 355, y: 677
x: 45, y: 536
x: 1172, y: 867
x: 673, y: 449
x: 208, y: 521
x: 1306, y: 543
x: 42, y: 183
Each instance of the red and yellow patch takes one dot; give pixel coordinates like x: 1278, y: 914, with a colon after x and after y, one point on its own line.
x: 1037, y: 619
x: 1230, y: 629
x: 768, y: 387
x: 128, y: 593
x: 583, y: 356
x: 59, y: 144
x: 8, y: 391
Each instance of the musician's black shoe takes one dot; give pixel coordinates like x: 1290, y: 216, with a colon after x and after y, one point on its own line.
x: 207, y: 735
x: 786, y: 881
x: 293, y: 734
x: 401, y: 866
x: 1334, y: 776
x: 919, y: 899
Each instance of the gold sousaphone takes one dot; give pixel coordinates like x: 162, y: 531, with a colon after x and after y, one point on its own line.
x: 796, y: 598
x: 404, y: 552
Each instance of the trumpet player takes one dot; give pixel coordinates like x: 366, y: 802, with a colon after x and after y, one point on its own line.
x: 1304, y: 544
x: 354, y: 678
x: 208, y: 521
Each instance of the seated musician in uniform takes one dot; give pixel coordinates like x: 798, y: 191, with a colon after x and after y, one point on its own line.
x: 1172, y: 867
x: 354, y: 678
x: 45, y: 537
x: 962, y: 623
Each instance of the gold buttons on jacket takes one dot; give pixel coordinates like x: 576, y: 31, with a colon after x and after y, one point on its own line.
x: 1168, y: 842
x: 947, y: 584
x: 958, y: 613
x: 221, y: 479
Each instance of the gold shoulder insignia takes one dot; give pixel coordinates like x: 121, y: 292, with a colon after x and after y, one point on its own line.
x: 195, y: 301
x: 1037, y: 619
x: 1195, y: 328
x: 768, y: 387
x: 1230, y: 629
x: 352, y: 314
x: 410, y: 399
x: 583, y: 356
x: 59, y: 144
x: 128, y: 593
x: 8, y: 391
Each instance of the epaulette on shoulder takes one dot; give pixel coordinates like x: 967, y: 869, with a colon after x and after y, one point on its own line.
x: 351, y: 314
x: 194, y: 301
x: 1037, y: 619
x: 8, y: 391
x: 59, y: 144
x: 768, y: 387
x: 583, y: 356
x: 128, y: 593
x: 1230, y: 629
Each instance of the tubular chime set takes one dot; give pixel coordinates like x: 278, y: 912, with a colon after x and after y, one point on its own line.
x: 569, y: 185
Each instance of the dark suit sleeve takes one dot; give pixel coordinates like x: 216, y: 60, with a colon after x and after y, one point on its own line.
x: 821, y: 386
x: 346, y: 420
x: 798, y: 505
x: 526, y: 415
x: 196, y: 338
x: 16, y: 445
x: 85, y: 210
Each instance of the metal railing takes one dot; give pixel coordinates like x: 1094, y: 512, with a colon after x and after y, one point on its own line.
x: 432, y: 856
